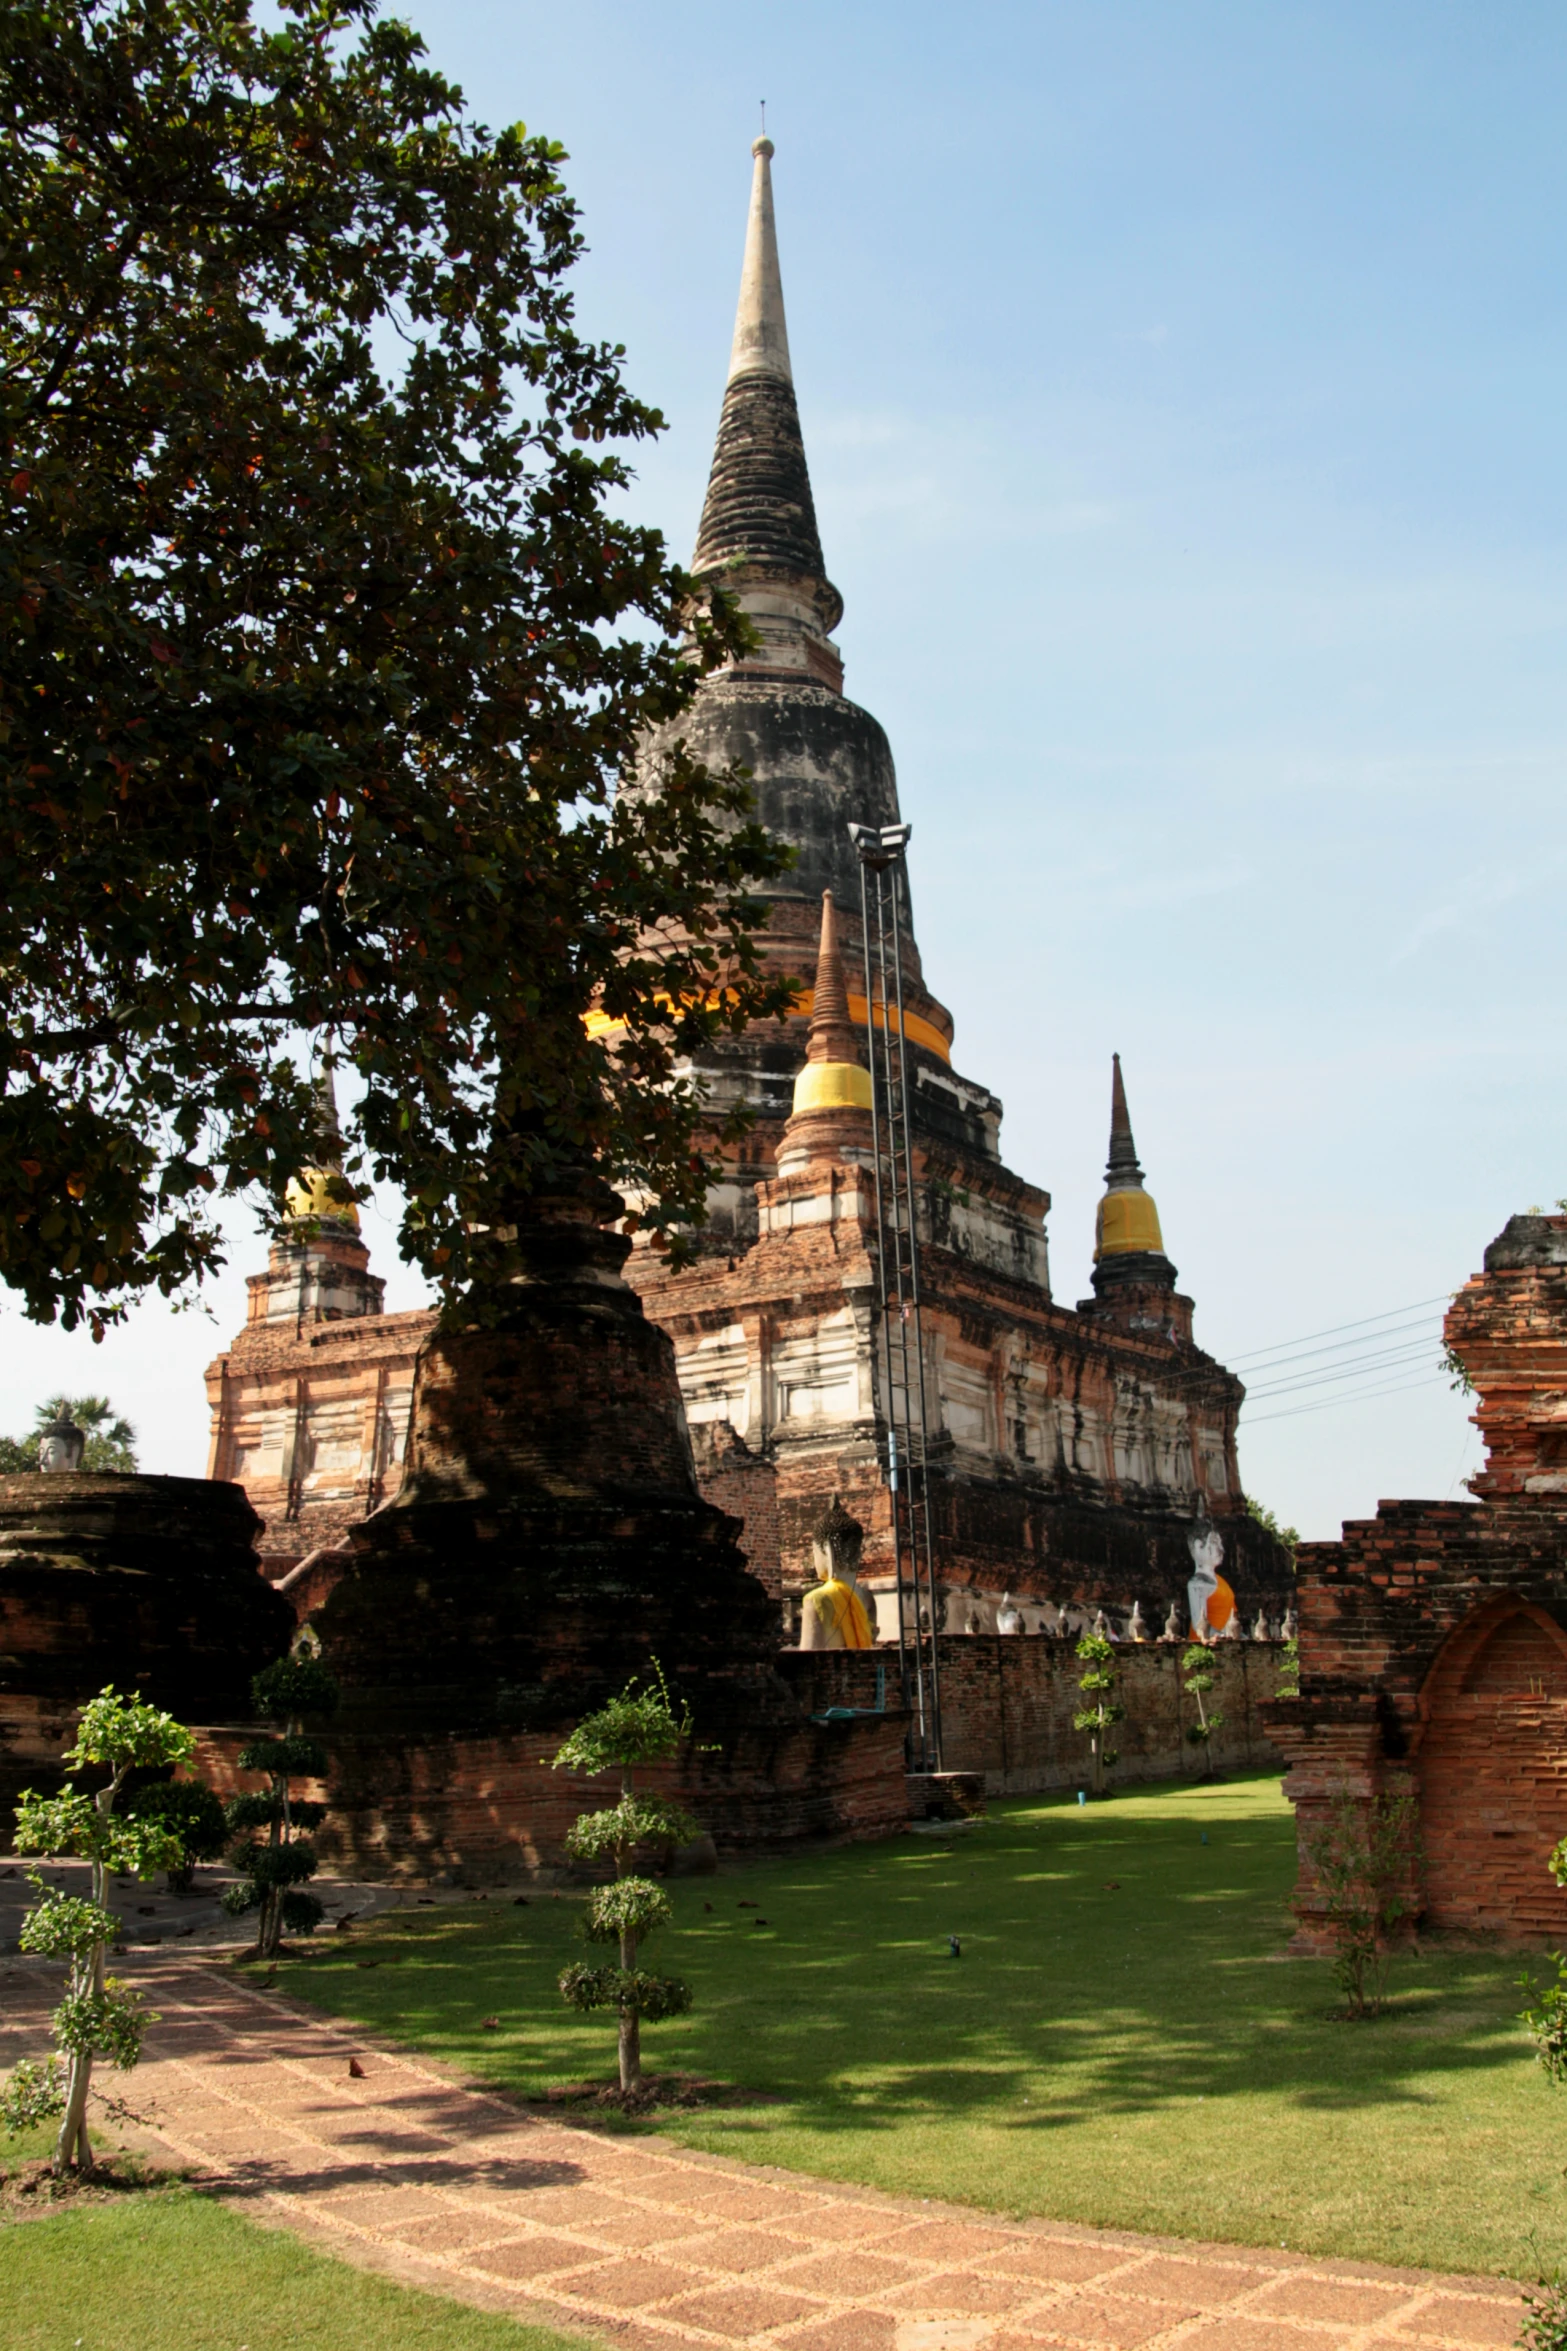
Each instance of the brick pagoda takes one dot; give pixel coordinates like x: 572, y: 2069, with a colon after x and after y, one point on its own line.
x: 1071, y: 1448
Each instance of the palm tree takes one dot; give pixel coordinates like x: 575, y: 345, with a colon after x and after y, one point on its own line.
x: 111, y: 1440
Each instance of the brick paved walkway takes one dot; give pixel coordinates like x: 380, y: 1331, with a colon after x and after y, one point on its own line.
x: 648, y: 2245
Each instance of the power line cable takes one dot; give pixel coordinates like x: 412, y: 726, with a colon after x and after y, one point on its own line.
x: 1332, y: 1403
x: 1368, y: 1369
x: 1286, y: 1353
x: 1443, y: 1298
x: 1349, y: 1357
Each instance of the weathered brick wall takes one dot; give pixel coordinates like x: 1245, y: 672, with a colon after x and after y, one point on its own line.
x: 485, y: 1810
x: 1007, y: 1703
x: 1433, y: 1642
x: 744, y: 1486
x: 1433, y: 1638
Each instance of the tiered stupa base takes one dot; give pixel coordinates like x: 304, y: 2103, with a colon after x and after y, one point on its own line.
x: 148, y: 1583
x: 547, y: 1546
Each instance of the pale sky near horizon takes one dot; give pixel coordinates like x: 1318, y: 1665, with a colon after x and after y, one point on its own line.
x: 1182, y: 386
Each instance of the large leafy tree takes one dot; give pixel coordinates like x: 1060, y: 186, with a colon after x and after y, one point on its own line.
x: 321, y: 650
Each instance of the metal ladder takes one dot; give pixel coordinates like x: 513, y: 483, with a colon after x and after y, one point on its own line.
x: 883, y: 897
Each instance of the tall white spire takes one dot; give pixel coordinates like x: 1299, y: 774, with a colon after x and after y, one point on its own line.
x: 761, y: 343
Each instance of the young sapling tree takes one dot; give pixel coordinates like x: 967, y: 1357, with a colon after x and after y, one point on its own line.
x: 99, y: 2016
x: 1099, y: 1712
x: 1365, y: 1859
x: 639, y: 1727
x: 1545, y: 2018
x: 1198, y: 1674
x: 273, y: 1874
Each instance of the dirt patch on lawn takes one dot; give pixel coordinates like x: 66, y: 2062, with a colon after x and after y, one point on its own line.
x: 657, y: 2092
x: 29, y: 2190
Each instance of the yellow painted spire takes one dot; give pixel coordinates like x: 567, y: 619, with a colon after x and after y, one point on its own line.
x: 315, y: 1194
x: 835, y: 1076
x: 1128, y: 1221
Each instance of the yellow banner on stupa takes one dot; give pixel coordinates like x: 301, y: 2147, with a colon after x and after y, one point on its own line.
x: 916, y: 1030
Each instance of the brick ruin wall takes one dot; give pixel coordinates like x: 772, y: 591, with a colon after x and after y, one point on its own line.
x: 471, y: 1810
x: 1007, y: 1703
x: 1433, y: 1646
x: 1433, y: 1638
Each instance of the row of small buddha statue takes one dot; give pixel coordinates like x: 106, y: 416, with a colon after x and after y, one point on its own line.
x: 834, y: 1613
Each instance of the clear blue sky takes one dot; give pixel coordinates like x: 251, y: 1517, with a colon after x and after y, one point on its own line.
x: 1183, y: 392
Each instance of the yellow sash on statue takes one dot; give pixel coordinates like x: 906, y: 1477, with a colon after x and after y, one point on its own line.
x: 842, y: 1613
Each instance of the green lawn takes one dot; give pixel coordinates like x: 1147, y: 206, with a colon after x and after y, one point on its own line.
x: 1139, y: 2056
x: 171, y: 2271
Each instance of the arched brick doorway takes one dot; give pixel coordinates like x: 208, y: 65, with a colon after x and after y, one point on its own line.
x: 1492, y: 1771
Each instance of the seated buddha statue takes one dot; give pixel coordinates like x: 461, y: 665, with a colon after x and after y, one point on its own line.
x: 832, y: 1614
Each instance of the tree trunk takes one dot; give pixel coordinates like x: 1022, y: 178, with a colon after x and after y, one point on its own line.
x: 630, y: 2025
x: 72, y: 2143
x: 269, y: 1928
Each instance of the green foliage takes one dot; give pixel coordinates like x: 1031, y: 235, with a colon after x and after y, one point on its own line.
x: 322, y: 651
x: 1199, y: 1675
x: 629, y: 1906
x: 111, y: 1440
x: 1288, y: 1685
x: 33, y: 2092
x: 1457, y: 1374
x: 122, y: 1733
x: 71, y: 1824
x: 272, y: 1873
x: 65, y: 1926
x: 1545, y: 2325
x: 635, y: 1820
x: 1102, y: 1710
x: 1545, y: 2018
x: 1262, y: 1516
x: 1365, y: 1861
x: 640, y: 1726
x: 98, y: 2017
x: 288, y: 1759
x: 196, y: 1815
x: 291, y: 1687
x: 628, y: 1990
x: 268, y: 1866
x: 107, y: 2023
x: 302, y: 1912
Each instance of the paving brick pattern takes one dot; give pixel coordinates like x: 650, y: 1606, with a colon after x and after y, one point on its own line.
x: 640, y: 2242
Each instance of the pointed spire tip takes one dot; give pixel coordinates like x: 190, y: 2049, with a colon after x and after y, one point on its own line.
x: 761, y: 337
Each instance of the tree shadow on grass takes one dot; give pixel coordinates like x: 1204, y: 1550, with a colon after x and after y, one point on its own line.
x: 1110, y: 1947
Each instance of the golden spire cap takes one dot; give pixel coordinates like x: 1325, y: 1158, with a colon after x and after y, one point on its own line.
x: 835, y: 1076
x: 1128, y: 1221
x: 319, y: 1194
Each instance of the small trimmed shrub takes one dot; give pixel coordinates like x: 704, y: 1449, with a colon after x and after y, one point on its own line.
x: 194, y: 1812
x: 274, y: 1874
x: 1100, y: 1711
x: 1198, y: 1674
x: 640, y: 1726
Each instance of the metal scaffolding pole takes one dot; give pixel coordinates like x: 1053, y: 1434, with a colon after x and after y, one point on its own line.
x: 883, y: 884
